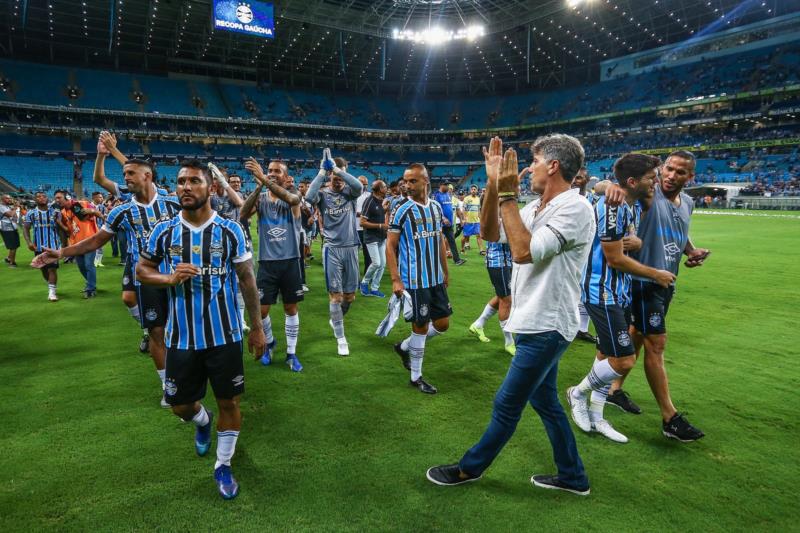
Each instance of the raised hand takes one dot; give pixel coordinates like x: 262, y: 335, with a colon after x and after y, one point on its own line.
x: 327, y: 163
x: 493, y: 157
x: 255, y: 169
x: 508, y: 178
x: 109, y: 141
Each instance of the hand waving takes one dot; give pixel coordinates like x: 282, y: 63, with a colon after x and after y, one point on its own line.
x: 508, y: 178
x: 255, y: 169
x: 493, y: 157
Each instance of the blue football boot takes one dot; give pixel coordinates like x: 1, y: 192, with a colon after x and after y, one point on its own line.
x: 202, y: 436
x: 266, y: 359
x: 293, y: 362
x: 226, y: 483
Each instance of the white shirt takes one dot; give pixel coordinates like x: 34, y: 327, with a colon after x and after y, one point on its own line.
x: 545, y: 293
x: 6, y: 223
x: 360, y: 203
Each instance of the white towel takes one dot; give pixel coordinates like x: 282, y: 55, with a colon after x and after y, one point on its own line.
x: 394, y: 307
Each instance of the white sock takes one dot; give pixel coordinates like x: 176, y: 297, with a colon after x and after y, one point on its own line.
x: 432, y: 331
x: 162, y: 375
x: 201, y: 417
x: 292, y: 329
x: 134, y: 311
x: 507, y: 335
x: 337, y: 319
x: 488, y: 312
x: 98, y: 258
x: 51, y: 287
x: 416, y: 349
x: 584, y: 317
x: 601, y: 375
x: 226, y: 445
x: 597, y: 402
x: 266, y: 324
x: 404, y: 344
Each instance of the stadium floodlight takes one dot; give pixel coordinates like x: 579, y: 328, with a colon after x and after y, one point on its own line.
x: 436, y: 35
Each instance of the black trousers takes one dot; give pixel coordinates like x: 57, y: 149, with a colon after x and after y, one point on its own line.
x: 451, y: 241
x: 364, y: 251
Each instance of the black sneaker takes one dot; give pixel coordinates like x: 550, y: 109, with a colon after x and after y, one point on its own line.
x: 423, y: 386
x: 586, y: 336
x: 447, y: 475
x: 622, y: 400
x: 460, y: 262
x: 680, y: 429
x: 89, y: 294
x: 144, y: 344
x: 12, y: 265
x: 545, y: 481
x: 403, y: 355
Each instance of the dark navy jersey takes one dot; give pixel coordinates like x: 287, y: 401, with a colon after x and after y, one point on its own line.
x: 202, y: 311
x: 420, y: 227
x: 44, y: 227
x: 603, y: 285
x: 138, y: 220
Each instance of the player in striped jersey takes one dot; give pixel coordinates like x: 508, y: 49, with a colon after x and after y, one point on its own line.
x: 44, y: 221
x: 606, y: 293
x: 199, y: 255
x: 417, y: 261
x: 138, y: 217
x: 100, y: 206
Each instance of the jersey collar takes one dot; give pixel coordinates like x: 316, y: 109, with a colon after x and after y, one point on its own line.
x: 192, y: 227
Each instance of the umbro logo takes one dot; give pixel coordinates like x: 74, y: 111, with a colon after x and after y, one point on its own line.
x: 277, y: 232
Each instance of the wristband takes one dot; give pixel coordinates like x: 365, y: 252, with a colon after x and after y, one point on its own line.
x: 507, y: 194
x: 507, y: 199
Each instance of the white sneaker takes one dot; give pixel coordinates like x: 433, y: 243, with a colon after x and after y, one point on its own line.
x: 580, y: 412
x: 52, y: 297
x: 604, y: 428
x: 343, y: 348
x: 305, y: 288
x: 164, y: 403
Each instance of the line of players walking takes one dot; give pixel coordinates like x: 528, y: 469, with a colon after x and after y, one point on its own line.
x: 190, y: 277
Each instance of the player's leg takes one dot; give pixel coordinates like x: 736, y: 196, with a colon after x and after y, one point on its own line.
x: 480, y: 242
x: 50, y: 273
x: 291, y: 289
x: 154, y: 308
x: 184, y: 388
x: 503, y: 312
x: 489, y: 310
x: 615, y: 357
x: 267, y: 281
x: 98, y: 257
x: 618, y: 397
x: 583, y: 327
x: 226, y: 373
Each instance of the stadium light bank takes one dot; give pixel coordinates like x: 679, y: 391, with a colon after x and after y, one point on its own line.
x: 435, y: 35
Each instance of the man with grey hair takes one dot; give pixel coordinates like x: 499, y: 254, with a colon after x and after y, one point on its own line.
x: 550, y: 240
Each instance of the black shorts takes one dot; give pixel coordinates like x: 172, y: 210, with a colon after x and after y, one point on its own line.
x: 650, y: 306
x: 429, y: 304
x: 612, y: 325
x: 128, y: 276
x: 188, y: 371
x: 282, y: 276
x: 153, y: 305
x: 501, y: 280
x: 11, y: 239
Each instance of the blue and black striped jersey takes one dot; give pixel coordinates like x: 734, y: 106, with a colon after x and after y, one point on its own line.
x: 202, y: 311
x: 138, y: 220
x: 498, y: 255
x: 123, y: 193
x: 44, y: 227
x: 420, y: 227
x: 603, y: 285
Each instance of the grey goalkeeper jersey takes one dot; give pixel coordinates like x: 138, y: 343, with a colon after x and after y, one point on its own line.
x: 338, y: 209
x: 278, y: 230
x: 664, y: 230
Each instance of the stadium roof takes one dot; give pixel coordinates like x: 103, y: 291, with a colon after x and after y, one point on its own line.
x: 349, y: 45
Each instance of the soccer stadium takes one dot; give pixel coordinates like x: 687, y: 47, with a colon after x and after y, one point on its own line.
x: 449, y: 265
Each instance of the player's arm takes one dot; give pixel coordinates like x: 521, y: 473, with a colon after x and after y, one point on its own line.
x: 506, y: 174
x: 85, y: 246
x: 694, y: 256
x: 443, y: 259
x: 109, y: 142
x: 232, y: 195
x: 490, y: 215
x: 392, y: 241
x: 312, y: 194
x: 256, y: 340
x: 356, y: 188
x: 249, y: 207
x: 147, y: 272
x: 26, y: 232
x: 616, y: 259
x: 99, y: 176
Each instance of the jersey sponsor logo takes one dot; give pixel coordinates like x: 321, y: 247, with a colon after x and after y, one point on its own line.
x: 612, y: 217
x: 238, y: 381
x: 424, y: 234
x: 338, y: 210
x: 151, y: 314
x: 624, y: 339
x: 213, y: 271
x: 655, y: 320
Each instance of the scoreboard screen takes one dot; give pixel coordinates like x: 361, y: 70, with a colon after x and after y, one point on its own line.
x: 245, y: 16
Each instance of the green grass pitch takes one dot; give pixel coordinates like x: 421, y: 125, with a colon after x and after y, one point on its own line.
x: 345, y: 444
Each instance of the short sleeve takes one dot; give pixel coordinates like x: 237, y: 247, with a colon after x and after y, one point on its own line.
x: 241, y: 247
x: 397, y: 218
x: 29, y: 218
x: 154, y: 248
x: 612, y: 221
x: 115, y: 219
x: 571, y: 226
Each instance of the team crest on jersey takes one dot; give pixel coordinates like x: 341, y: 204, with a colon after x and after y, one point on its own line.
x: 151, y: 314
x: 655, y: 320
x: 176, y: 249
x: 137, y: 221
x: 423, y: 310
x: 624, y: 339
x: 216, y: 249
x: 152, y: 220
x: 125, y: 280
x: 196, y: 249
x: 170, y: 388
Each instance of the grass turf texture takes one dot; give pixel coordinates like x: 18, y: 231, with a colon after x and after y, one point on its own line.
x: 345, y: 444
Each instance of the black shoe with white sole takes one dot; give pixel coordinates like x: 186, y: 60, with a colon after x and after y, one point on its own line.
x: 622, y: 400
x: 447, y: 475
x: 545, y: 481
x: 586, y: 337
x: 679, y: 428
x: 406, y: 358
x: 423, y: 386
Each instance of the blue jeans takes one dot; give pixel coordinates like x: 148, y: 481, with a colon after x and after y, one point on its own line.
x: 377, y: 255
x: 85, y: 264
x: 531, y: 378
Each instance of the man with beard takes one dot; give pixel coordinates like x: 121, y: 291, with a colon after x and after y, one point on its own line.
x: 44, y: 221
x: 195, y: 255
